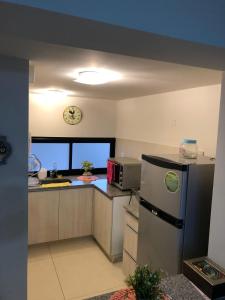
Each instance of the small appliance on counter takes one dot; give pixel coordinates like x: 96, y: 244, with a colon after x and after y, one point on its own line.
x: 42, y: 174
x: 175, y: 208
x: 206, y: 275
x: 34, y: 167
x: 124, y: 172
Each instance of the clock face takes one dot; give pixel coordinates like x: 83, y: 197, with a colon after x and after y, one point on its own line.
x: 72, y: 115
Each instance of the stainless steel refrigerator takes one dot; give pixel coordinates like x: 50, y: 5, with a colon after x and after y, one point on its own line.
x: 175, y: 210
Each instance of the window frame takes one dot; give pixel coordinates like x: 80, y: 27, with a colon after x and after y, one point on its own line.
x: 71, y: 141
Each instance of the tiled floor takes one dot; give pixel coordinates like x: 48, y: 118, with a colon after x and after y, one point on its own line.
x: 71, y: 270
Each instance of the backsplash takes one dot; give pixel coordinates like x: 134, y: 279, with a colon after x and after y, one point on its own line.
x: 135, y: 149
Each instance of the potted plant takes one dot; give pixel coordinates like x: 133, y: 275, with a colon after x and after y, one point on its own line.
x: 87, y: 166
x: 144, y: 285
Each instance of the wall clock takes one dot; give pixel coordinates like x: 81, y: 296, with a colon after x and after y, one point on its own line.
x: 72, y: 115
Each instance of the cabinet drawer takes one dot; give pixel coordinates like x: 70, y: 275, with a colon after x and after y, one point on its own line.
x: 130, y: 242
x: 129, y: 265
x: 131, y: 221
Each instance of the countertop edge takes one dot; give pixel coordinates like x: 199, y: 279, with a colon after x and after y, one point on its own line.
x: 82, y: 186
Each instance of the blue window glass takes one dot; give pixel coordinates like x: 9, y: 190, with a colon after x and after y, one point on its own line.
x: 51, y: 154
x: 97, y: 153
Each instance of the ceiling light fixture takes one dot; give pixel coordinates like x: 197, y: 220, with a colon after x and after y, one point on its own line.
x: 96, y: 76
x: 49, y: 97
x: 53, y: 93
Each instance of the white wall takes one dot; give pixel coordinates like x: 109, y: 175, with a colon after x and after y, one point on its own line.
x: 46, y: 117
x: 135, y: 149
x: 13, y: 184
x: 155, y: 123
x: 165, y: 119
x: 217, y: 226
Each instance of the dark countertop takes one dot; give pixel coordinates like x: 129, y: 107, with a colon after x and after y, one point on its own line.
x: 180, y: 288
x: 177, y: 287
x: 100, y: 184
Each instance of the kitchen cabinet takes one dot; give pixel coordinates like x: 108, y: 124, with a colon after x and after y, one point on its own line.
x: 75, y: 213
x: 131, y: 221
x: 71, y: 213
x: 102, y: 221
x: 108, y: 223
x: 43, y: 214
x: 130, y: 244
x: 129, y: 264
x: 130, y: 241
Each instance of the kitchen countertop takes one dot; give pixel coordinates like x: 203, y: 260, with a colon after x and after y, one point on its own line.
x: 177, y: 287
x: 180, y: 288
x: 100, y: 184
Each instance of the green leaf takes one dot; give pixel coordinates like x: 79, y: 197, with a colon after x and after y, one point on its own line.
x: 145, y: 282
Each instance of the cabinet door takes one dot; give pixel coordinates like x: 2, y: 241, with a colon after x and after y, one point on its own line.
x: 43, y: 216
x: 131, y: 221
x: 75, y: 213
x: 129, y: 265
x: 130, y: 241
x: 103, y: 221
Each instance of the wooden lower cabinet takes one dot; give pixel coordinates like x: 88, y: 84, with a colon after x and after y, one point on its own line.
x: 129, y: 265
x: 71, y: 213
x: 102, y: 221
x: 130, y: 244
x: 43, y: 213
x: 75, y: 213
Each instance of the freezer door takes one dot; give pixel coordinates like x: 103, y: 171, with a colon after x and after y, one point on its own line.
x: 159, y: 243
x: 164, y: 187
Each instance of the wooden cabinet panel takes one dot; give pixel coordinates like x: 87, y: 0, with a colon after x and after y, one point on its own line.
x: 130, y: 242
x: 131, y: 221
x: 75, y: 213
x: 102, y: 225
x: 129, y: 265
x: 43, y: 216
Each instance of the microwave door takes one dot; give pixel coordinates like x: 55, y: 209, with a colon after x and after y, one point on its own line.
x: 116, y: 173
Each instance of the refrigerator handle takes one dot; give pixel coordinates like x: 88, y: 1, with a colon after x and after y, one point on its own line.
x: 161, y: 214
x: 164, y: 163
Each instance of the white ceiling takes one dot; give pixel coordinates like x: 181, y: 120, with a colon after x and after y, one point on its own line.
x: 140, y: 77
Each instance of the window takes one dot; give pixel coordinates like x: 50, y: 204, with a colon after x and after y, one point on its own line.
x: 52, y: 154
x: 68, y: 153
x: 97, y: 153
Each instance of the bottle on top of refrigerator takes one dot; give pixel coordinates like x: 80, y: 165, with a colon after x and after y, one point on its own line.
x: 188, y: 148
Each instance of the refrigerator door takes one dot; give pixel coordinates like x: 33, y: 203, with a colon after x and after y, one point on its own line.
x: 164, y: 184
x: 159, y: 243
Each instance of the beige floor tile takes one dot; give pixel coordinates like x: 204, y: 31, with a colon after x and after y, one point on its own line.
x: 38, y: 252
x: 43, y: 283
x: 87, y: 273
x: 68, y: 247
